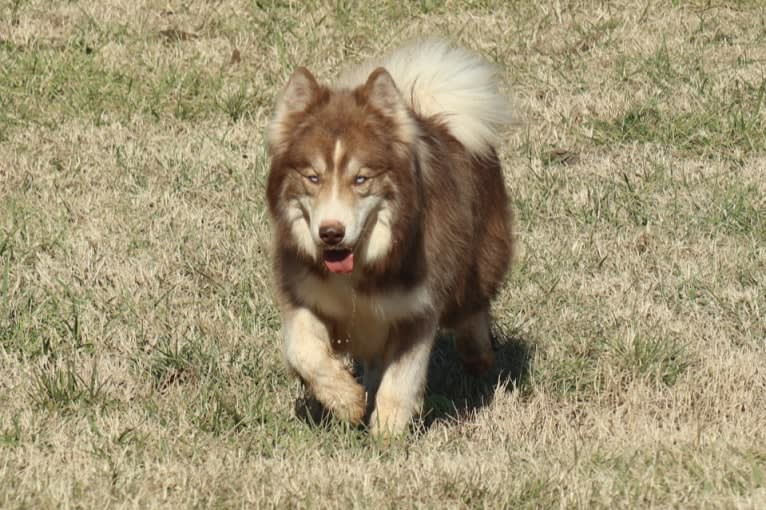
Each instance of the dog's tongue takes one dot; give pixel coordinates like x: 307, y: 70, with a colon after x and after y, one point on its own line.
x: 339, y: 261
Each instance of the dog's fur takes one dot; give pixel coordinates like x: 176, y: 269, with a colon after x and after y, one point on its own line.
x: 399, y: 157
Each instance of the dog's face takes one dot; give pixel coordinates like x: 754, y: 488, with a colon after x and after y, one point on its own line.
x: 340, y: 161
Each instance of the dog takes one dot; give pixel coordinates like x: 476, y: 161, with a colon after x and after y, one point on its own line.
x: 390, y: 220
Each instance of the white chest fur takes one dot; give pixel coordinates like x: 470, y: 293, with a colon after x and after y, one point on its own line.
x: 336, y: 297
x: 364, y: 318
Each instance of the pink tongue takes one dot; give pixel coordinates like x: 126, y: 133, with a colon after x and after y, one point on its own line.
x: 343, y: 265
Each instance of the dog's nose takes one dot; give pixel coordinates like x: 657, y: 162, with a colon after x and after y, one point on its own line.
x: 331, y: 232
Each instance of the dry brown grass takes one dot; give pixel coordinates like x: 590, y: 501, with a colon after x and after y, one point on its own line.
x: 139, y: 342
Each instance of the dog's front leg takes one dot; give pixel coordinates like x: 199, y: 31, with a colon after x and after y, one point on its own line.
x: 308, y: 351
x: 400, y: 394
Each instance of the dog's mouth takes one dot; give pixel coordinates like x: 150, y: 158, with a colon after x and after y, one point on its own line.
x: 338, y: 261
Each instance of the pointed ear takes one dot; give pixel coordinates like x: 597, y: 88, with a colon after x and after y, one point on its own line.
x: 382, y: 93
x: 301, y: 90
x: 384, y: 96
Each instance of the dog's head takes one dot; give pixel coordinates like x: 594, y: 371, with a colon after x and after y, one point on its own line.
x: 342, y: 171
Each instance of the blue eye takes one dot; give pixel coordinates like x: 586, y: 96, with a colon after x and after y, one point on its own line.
x: 360, y: 179
x: 314, y: 179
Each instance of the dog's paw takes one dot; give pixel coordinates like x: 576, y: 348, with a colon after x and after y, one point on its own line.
x: 390, y: 419
x: 344, y: 398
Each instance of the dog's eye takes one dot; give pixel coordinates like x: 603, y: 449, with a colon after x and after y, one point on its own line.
x: 313, y: 178
x: 360, y: 179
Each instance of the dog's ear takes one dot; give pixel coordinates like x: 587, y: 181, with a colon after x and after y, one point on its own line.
x: 383, y: 95
x: 301, y: 90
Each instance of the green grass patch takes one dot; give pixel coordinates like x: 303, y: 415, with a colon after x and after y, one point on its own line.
x: 67, y: 388
x: 724, y: 122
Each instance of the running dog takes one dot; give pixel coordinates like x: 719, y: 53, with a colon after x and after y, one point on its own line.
x: 390, y: 220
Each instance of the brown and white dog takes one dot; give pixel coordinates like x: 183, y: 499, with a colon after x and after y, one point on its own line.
x: 391, y: 220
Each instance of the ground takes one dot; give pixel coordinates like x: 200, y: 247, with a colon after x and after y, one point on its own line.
x: 139, y: 341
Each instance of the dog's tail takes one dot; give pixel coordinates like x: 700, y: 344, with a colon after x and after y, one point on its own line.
x: 457, y: 85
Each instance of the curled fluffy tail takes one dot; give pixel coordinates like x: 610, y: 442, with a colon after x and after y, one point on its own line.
x: 459, y: 86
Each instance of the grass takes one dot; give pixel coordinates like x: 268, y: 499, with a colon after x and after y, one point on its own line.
x: 139, y: 341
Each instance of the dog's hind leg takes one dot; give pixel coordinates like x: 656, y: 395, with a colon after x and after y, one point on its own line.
x: 474, y: 343
x: 308, y: 351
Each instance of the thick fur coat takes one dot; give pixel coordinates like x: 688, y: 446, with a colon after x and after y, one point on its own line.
x: 391, y: 220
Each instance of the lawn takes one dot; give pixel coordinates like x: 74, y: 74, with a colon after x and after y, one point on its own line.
x: 139, y: 340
